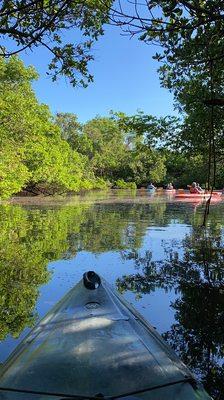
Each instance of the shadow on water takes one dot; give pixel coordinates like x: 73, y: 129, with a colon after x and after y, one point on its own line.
x: 158, y: 244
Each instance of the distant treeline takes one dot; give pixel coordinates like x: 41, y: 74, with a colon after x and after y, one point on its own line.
x: 43, y: 153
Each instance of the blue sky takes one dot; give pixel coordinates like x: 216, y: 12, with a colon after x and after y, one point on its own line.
x: 125, y: 79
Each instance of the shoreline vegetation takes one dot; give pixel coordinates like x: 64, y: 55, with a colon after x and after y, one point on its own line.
x: 46, y: 154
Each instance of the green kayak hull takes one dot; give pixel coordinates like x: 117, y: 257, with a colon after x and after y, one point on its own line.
x: 93, y: 343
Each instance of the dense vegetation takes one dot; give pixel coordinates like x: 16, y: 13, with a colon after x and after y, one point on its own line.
x: 34, y: 156
x: 190, y: 43
x: 42, y: 153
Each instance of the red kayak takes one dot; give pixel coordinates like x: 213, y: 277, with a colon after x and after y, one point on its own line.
x: 197, y: 196
x: 219, y: 193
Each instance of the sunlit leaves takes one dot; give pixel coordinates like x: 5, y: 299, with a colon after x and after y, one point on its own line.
x: 13, y: 173
x: 33, y: 154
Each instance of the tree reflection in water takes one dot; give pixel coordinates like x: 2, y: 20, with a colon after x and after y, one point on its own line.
x: 33, y: 236
x: 28, y: 241
x: 198, y: 279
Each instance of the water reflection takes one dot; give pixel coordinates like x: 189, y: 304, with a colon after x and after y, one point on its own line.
x: 29, y: 240
x: 158, y: 244
x: 198, y: 278
x: 32, y: 237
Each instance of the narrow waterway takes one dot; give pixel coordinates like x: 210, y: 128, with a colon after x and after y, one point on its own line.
x: 151, y: 248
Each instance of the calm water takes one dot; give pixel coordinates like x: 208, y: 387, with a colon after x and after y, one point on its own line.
x: 152, y: 249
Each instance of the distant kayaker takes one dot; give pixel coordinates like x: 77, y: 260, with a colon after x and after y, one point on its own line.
x: 169, y: 186
x: 151, y: 186
x: 194, y: 188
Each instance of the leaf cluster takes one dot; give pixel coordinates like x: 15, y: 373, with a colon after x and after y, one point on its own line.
x: 34, y: 23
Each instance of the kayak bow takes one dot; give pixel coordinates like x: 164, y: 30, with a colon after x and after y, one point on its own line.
x: 94, y: 344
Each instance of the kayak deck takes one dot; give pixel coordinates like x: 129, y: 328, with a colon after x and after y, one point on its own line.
x: 93, y: 342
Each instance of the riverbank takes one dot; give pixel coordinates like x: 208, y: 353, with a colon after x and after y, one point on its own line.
x: 109, y: 196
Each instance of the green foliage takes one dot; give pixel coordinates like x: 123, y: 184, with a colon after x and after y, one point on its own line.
x: 54, y: 166
x: 69, y: 128
x: 121, y: 184
x: 13, y: 173
x: 168, y: 149
x: 193, y: 71
x: 42, y: 154
x: 145, y: 136
x: 185, y: 31
x: 147, y: 129
x: 34, y: 155
x: 106, y: 150
x: 189, y: 35
x: 100, y: 183
x: 147, y: 165
x: 33, y: 24
x: 120, y: 147
x: 183, y: 169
